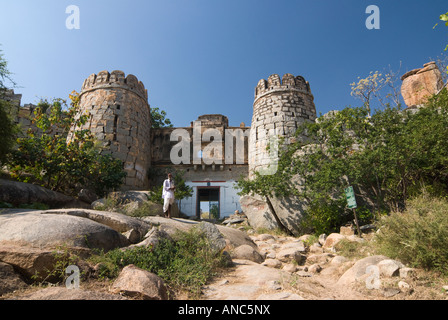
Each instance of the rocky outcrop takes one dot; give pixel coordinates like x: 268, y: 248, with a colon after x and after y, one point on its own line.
x: 40, y: 229
x: 10, y: 280
x: 33, y: 241
x: 117, y: 221
x: 419, y: 84
x: 19, y: 193
x: 234, y: 237
x: 258, y: 213
x: 59, y: 293
x: 274, y: 213
x: 129, y: 202
x: 28, y: 261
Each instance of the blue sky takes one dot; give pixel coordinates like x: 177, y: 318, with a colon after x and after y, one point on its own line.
x: 206, y: 56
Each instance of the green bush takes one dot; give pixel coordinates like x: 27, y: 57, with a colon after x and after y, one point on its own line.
x: 186, y: 263
x: 419, y: 235
x: 325, y: 216
x: 45, y: 158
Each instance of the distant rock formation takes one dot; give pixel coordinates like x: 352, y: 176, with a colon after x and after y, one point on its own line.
x: 419, y: 84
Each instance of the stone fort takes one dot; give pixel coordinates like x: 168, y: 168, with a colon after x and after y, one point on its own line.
x: 119, y: 112
x: 119, y: 117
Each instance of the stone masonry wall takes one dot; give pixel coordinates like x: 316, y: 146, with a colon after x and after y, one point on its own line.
x: 280, y: 106
x: 120, y: 117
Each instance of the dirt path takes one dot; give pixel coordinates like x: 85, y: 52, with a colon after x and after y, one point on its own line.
x: 251, y: 281
x: 317, y: 279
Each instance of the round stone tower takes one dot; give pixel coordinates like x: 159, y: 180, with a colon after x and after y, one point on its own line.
x: 280, y: 106
x: 120, y: 118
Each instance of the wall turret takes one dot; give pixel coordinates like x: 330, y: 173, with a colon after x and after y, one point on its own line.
x: 119, y: 117
x: 280, y: 106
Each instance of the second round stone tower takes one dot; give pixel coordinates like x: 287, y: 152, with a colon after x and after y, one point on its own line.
x: 119, y: 117
x: 280, y: 106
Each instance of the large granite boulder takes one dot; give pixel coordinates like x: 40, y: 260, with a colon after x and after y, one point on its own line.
x: 234, y: 237
x: 258, y: 213
x: 419, y: 84
x: 141, y: 284
x: 282, y: 213
x: 43, y: 230
x: 19, y: 193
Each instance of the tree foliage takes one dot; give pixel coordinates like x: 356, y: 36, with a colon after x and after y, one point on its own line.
x: 159, y: 119
x: 45, y: 156
x: 8, y: 129
x: 182, y: 191
x: 444, y: 18
x: 387, y: 158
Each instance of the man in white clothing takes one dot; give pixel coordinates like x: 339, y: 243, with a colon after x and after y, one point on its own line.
x: 168, y: 195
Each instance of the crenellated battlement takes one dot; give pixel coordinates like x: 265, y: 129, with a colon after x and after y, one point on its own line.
x: 115, y: 79
x: 288, y: 82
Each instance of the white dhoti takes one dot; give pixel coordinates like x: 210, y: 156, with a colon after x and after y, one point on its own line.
x: 166, y: 202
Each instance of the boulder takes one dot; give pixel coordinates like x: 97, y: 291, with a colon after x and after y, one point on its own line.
x: 290, y: 211
x: 322, y: 239
x: 338, y: 260
x: 136, y: 282
x: 298, y: 245
x: 347, y: 231
x: 117, y: 221
x: 285, y: 213
x: 332, y: 240
x: 359, y: 270
x: 390, y: 268
x: 10, y: 280
x: 321, y: 258
x: 258, y: 213
x: 87, y: 196
x: 290, y: 255
x: 19, y: 193
x: 234, y: 236
x: 152, y: 238
x: 273, y: 263
x: 50, y: 231
x: 28, y: 261
x: 62, y: 293
x: 215, y: 237
x: 265, y: 237
x: 246, y: 252
x: 419, y: 84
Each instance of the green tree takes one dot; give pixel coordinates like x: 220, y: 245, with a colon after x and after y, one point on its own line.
x: 8, y: 129
x: 444, y: 18
x: 5, y: 74
x: 182, y: 191
x: 47, y: 158
x: 387, y: 158
x: 159, y: 119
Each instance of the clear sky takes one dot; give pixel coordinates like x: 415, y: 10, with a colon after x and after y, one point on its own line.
x: 206, y: 56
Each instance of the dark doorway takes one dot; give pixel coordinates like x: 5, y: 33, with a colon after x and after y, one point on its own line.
x: 207, y: 206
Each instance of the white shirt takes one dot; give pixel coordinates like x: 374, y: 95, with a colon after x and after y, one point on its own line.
x: 167, y: 192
